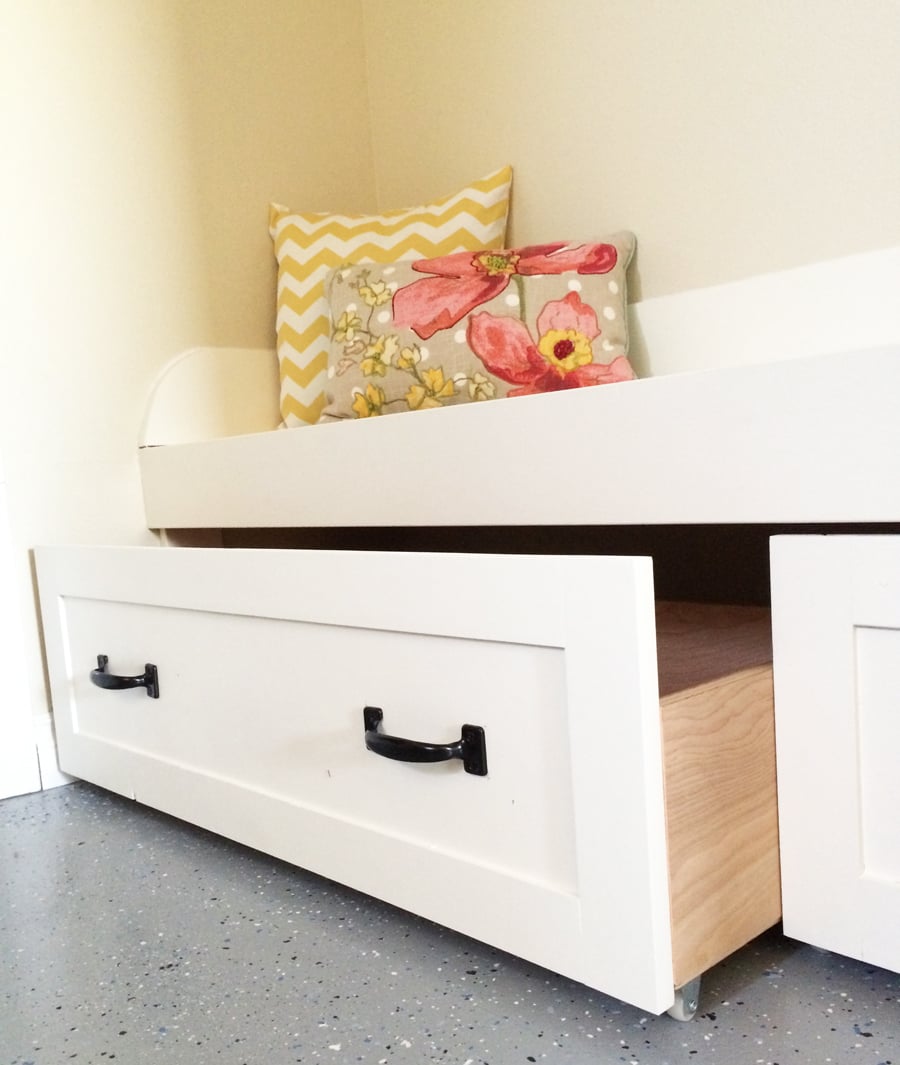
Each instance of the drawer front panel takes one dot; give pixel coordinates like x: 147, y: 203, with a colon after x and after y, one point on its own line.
x: 277, y: 706
x: 878, y: 684
x: 266, y: 660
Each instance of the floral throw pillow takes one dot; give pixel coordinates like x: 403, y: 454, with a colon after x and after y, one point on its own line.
x: 477, y: 325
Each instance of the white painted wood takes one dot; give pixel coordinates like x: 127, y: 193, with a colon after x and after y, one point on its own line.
x: 19, y: 768
x: 205, y: 393
x: 836, y: 633
x: 266, y: 660
x: 802, y: 440
x: 878, y: 691
x: 845, y: 304
x: 723, y: 429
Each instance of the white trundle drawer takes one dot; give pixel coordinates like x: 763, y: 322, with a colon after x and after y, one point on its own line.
x: 549, y: 840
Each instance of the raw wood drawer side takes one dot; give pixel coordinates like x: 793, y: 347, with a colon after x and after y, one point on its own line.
x: 719, y: 765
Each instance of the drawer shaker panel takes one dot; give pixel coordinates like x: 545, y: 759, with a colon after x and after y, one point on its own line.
x: 277, y: 706
x: 454, y: 734
x: 836, y: 628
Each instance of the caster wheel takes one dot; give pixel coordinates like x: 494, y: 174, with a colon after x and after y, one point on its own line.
x: 687, y: 999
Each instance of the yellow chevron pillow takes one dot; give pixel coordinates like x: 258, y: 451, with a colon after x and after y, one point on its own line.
x: 308, y: 245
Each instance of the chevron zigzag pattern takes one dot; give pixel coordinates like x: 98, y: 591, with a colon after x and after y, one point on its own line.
x: 309, y: 245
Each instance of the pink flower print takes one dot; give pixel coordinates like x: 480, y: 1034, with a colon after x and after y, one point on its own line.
x: 465, y: 280
x: 561, y: 357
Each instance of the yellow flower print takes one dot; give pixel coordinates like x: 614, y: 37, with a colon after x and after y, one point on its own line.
x: 481, y: 387
x: 368, y: 404
x: 431, y: 391
x: 495, y: 263
x: 566, y: 348
x: 375, y: 294
x: 372, y: 366
x: 378, y: 355
x: 347, y: 325
x: 434, y: 380
x: 418, y: 399
x: 407, y: 358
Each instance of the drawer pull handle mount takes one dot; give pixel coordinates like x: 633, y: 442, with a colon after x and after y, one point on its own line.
x: 470, y: 747
x: 148, y: 679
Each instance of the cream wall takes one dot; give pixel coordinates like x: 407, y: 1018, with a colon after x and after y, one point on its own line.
x: 100, y: 256
x: 278, y: 111
x: 732, y: 138
x: 19, y: 767
x: 142, y: 143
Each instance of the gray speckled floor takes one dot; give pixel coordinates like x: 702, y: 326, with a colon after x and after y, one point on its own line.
x: 128, y: 936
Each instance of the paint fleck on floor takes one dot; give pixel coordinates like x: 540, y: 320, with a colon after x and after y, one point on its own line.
x: 128, y: 936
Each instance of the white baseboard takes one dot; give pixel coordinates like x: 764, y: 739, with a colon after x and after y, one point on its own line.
x: 51, y: 775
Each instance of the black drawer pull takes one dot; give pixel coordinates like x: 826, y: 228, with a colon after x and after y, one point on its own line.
x: 149, y: 679
x: 470, y: 746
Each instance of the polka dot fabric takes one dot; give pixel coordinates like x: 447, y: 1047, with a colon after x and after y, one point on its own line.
x: 477, y: 325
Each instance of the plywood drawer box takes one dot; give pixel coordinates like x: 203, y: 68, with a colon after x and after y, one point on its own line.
x: 623, y: 829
